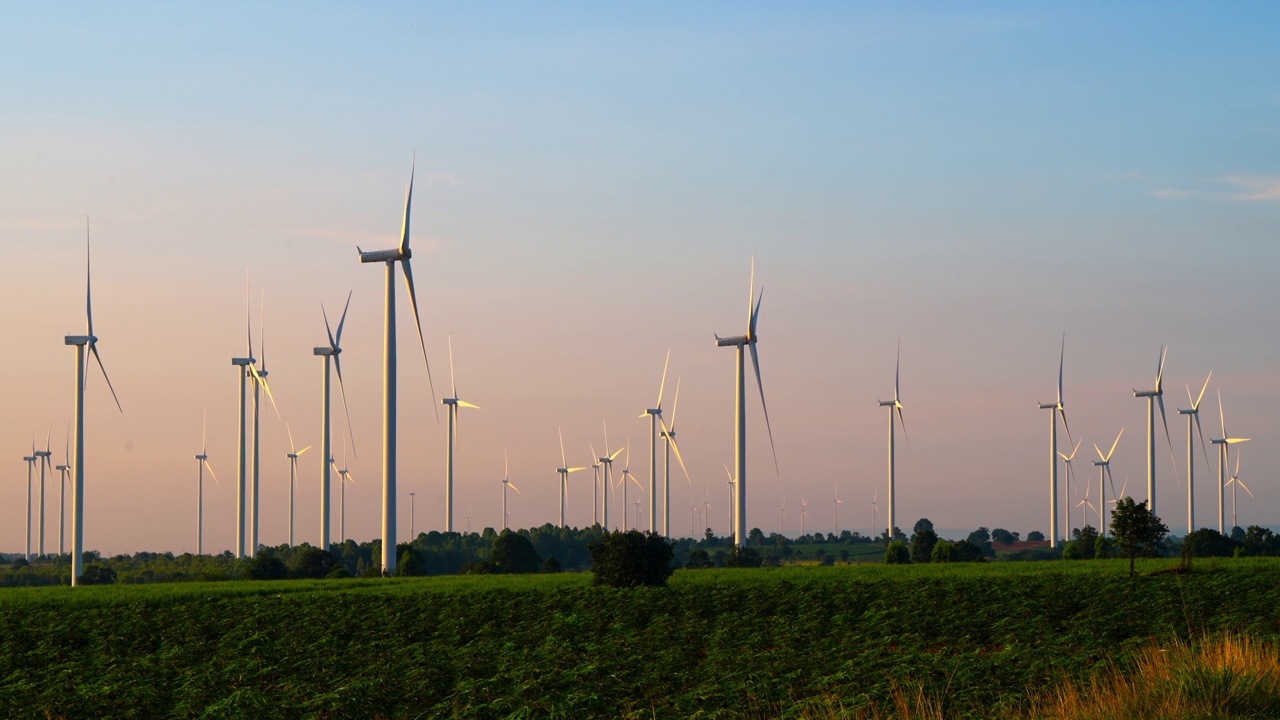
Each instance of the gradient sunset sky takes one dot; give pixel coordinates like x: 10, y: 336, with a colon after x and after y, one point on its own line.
x: 592, y: 182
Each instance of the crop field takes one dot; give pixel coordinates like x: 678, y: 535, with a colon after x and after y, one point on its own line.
x: 978, y: 639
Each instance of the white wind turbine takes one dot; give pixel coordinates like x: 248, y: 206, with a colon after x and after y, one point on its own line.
x: 783, y: 510
x: 453, y: 403
x: 1056, y: 409
x: 564, y: 471
x: 293, y: 455
x: 669, y: 435
x: 804, y: 513
x: 1193, y: 416
x: 895, y: 407
x: 42, y: 458
x: 1103, y: 463
x: 344, y: 477
x: 506, y: 483
x: 31, y: 461
x: 595, y: 486
x: 1084, y: 502
x: 1155, y: 397
x: 87, y: 341
x: 875, y: 513
x: 626, y: 475
x: 1224, y: 444
x: 1071, y: 480
x: 245, y: 370
x: 400, y: 255
x: 1233, y: 482
x: 1124, y: 489
x: 732, y: 505
x: 836, y: 507
x: 607, y: 461
x: 259, y: 375
x: 62, y: 494
x: 332, y: 354
x: 741, y: 342
x: 202, y: 463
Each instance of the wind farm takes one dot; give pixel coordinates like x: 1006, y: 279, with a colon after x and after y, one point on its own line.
x: 588, y: 191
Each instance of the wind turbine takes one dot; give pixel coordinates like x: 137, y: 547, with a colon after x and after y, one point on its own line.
x: 1103, y: 463
x: 836, y: 506
x: 87, y: 341
x: 245, y: 365
x: 62, y: 494
x: 595, y: 486
x: 564, y: 471
x: 293, y: 455
x: 669, y: 435
x: 1084, y: 502
x: 732, y: 505
x: 332, y: 354
x: 1224, y: 444
x: 655, y: 418
x: 202, y: 462
x: 31, y: 461
x: 895, y: 407
x: 390, y: 258
x: 506, y: 483
x: 804, y: 513
x: 875, y: 514
x: 1193, y: 415
x: 453, y: 403
x: 784, y: 515
x: 259, y: 384
x: 626, y: 475
x: 344, y: 476
x: 42, y: 459
x: 607, y: 461
x: 741, y: 342
x: 1155, y: 397
x: 1071, y: 479
x: 1233, y: 482
x: 1122, y: 494
x: 1056, y: 409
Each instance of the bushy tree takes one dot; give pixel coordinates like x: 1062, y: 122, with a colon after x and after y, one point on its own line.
x: 897, y: 554
x: 744, y: 557
x: 265, y: 566
x: 698, y: 559
x: 1101, y: 548
x: 1136, y: 529
x: 1207, y: 542
x: 98, y: 575
x: 513, y: 553
x: 409, y: 562
x: 1035, y: 536
x: 981, y: 538
x: 922, y: 542
x: 631, y: 559
x: 1071, y: 551
x: 551, y: 566
x: 311, y: 562
x: 1004, y: 537
x: 967, y: 552
x: 1085, y: 541
x: 943, y: 552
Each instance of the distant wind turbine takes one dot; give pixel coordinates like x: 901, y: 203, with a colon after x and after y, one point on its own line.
x: 669, y: 435
x: 1224, y: 444
x: 1103, y: 463
x: 245, y: 370
x: 1056, y: 408
x: 804, y: 513
x: 742, y: 342
x: 42, y: 458
x: 453, y: 403
x: 332, y: 354
x: 1071, y: 479
x: 1193, y: 416
x: 259, y: 384
x: 836, y: 507
x: 1155, y: 397
x: 875, y: 513
x: 62, y: 494
x: 783, y: 510
x: 895, y: 407
x: 607, y: 461
x: 506, y: 483
x: 344, y: 477
x: 81, y: 342
x: 202, y: 463
x: 1233, y: 482
x: 626, y: 475
x: 595, y: 486
x: 400, y: 255
x: 564, y: 470
x: 31, y: 461
x: 1084, y: 502
x: 732, y: 505
x: 293, y: 455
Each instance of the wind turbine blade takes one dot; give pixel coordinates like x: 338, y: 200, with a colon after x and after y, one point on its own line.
x: 465, y: 404
x: 1114, y: 444
x: 513, y: 487
x: 1101, y: 457
x: 93, y: 348
x: 1168, y: 438
x: 337, y: 341
x: 342, y: 389
x: 1221, y: 416
x: 727, y: 472
x: 1062, y: 356
x: 248, y: 315
x: 408, y: 204
x: 755, y: 364
x: 903, y: 424
x: 262, y: 328
x: 897, y: 374
x: 333, y: 343
x: 1063, y: 412
x: 563, y: 462
x: 1164, y: 353
x: 574, y: 470
x: 663, y: 386
x: 1111, y: 481
x: 88, y: 281
x: 292, y: 448
x: 675, y: 405
x: 209, y: 467
x: 615, y: 454
x: 671, y: 439
x: 263, y: 381
x: 1203, y: 448
x: 453, y: 380
x: 303, y: 450
x: 1246, y: 487
x: 751, y: 293
x: 417, y: 320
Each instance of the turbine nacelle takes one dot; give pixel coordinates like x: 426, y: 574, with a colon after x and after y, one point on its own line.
x: 80, y: 340
x: 387, y: 256
x: 242, y: 362
x: 738, y: 341
x: 325, y: 351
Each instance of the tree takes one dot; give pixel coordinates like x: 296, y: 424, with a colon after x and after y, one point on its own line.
x: 896, y: 553
x: 1101, y: 548
x: 982, y: 539
x: 552, y: 566
x: 1035, y: 536
x: 409, y: 562
x: 265, y: 566
x: 966, y: 551
x: 1071, y: 551
x: 631, y: 559
x: 922, y: 543
x: 743, y: 557
x: 943, y: 552
x: 698, y: 559
x: 1004, y: 537
x: 1207, y: 542
x: 1136, y: 529
x: 513, y: 553
x: 756, y: 537
x: 922, y: 524
x: 98, y: 575
x: 1085, y: 541
x: 311, y: 562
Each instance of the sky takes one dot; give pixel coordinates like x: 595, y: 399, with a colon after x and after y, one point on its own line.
x: 592, y: 183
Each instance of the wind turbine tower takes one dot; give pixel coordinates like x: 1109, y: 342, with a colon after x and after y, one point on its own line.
x: 741, y: 343
x: 1224, y: 444
x: 607, y: 462
x: 564, y: 471
x: 390, y: 258
x: 202, y: 462
x: 30, y: 460
x: 89, y: 342
x: 1103, y: 463
x: 1193, y: 416
x: 1056, y: 409
x: 293, y: 455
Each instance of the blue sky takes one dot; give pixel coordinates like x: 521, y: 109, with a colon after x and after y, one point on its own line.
x: 591, y: 185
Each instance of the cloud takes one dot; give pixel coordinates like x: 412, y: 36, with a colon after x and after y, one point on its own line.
x: 1253, y: 188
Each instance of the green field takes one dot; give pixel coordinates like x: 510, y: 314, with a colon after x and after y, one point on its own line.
x: 717, y: 643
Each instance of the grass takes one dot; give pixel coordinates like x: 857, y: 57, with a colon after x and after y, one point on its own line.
x: 956, y: 641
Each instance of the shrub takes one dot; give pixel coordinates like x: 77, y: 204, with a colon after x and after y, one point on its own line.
x: 552, y: 566
x: 744, y: 557
x: 631, y: 559
x: 922, y: 543
x: 943, y: 552
x: 698, y: 559
x: 409, y: 562
x: 311, y: 563
x: 968, y: 552
x: 265, y: 566
x: 98, y: 575
x: 897, y: 554
x: 1035, y: 536
x: 513, y: 553
x: 1070, y: 551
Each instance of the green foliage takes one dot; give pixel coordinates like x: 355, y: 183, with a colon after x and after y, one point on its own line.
x: 551, y: 566
x: 1136, y: 529
x: 1101, y: 548
x: 311, y: 562
x: 98, y: 575
x: 922, y: 542
x: 1085, y: 540
x: 631, y: 559
x: 513, y: 553
x: 743, y: 557
x: 265, y: 566
x: 1207, y: 542
x: 1071, y: 551
x: 896, y: 553
x: 1035, y: 536
x: 1003, y: 537
x: 698, y: 559
x: 943, y: 552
